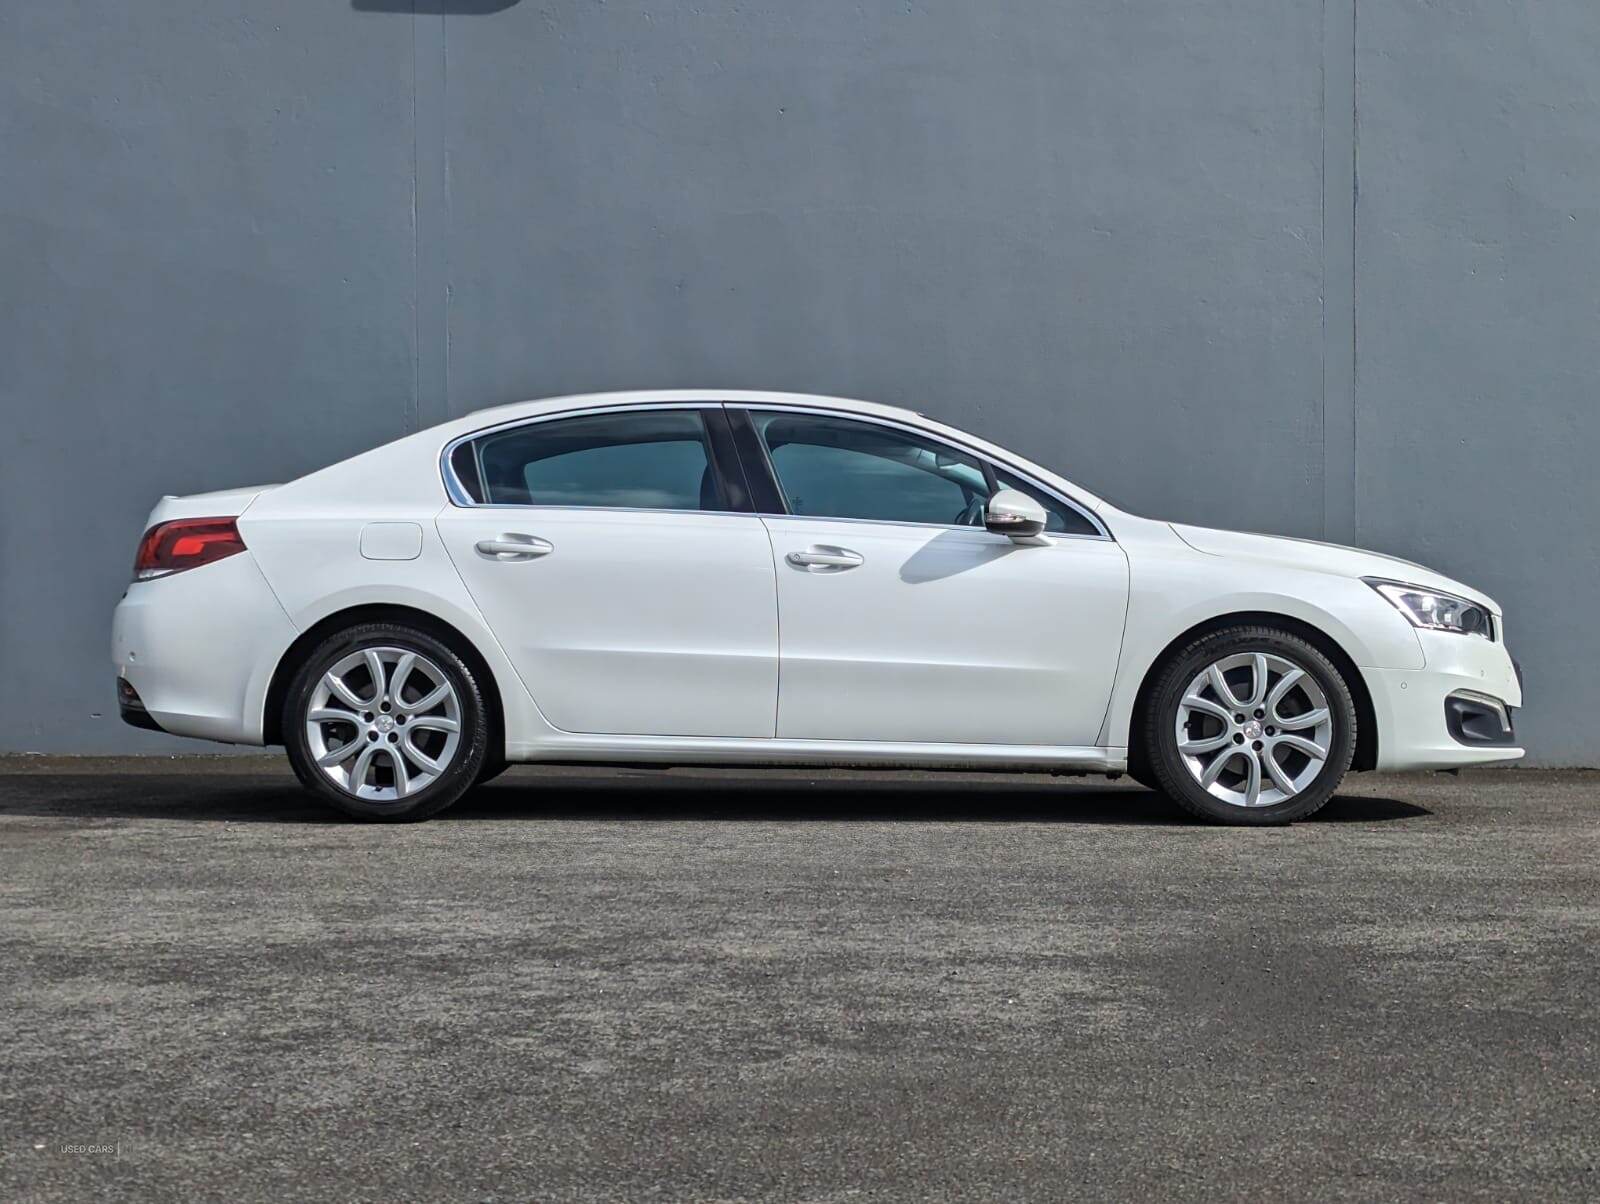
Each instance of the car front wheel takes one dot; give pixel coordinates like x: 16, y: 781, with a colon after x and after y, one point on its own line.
x: 386, y: 722
x: 1249, y: 725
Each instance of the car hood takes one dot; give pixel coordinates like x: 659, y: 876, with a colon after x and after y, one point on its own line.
x: 1323, y: 558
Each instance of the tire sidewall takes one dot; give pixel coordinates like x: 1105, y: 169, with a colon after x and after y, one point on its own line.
x: 1160, y: 727
x: 437, y: 795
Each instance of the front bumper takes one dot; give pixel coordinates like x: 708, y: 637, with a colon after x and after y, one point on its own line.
x: 198, y: 648
x: 1414, y: 706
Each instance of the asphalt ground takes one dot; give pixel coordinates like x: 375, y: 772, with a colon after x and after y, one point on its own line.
x: 586, y: 984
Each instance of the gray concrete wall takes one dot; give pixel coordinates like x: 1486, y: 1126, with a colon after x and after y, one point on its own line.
x: 241, y: 240
x: 1478, y: 324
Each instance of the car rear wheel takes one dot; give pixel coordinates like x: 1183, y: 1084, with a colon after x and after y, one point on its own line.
x: 1249, y: 725
x: 386, y: 722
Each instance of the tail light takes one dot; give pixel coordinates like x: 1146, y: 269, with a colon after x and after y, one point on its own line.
x: 185, y: 543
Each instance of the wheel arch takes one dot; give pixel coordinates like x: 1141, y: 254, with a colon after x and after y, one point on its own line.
x: 446, y: 633
x: 1366, y: 755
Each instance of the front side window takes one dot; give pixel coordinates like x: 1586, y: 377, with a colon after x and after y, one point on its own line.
x: 636, y: 459
x: 833, y: 467
x: 1060, y: 518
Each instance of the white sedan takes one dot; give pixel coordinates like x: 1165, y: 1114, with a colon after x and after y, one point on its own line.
x: 710, y: 577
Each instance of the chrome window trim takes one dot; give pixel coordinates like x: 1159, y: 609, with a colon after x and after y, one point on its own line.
x: 460, y: 498
x: 937, y: 437
x: 621, y: 510
x: 900, y: 522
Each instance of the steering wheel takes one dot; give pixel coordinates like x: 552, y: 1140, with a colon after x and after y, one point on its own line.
x: 972, y: 513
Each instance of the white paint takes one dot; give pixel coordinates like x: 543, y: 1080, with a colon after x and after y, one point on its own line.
x: 391, y: 541
x: 662, y: 636
x: 946, y: 634
x: 636, y: 622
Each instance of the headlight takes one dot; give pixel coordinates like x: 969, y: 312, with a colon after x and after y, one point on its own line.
x: 1435, y: 611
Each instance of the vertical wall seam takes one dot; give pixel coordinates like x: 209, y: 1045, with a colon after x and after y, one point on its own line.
x: 409, y: 419
x: 444, y: 214
x: 1355, y: 280
x: 1322, y: 218
x: 431, y: 223
x: 1339, y: 270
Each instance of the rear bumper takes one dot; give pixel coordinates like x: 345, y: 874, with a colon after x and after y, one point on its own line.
x: 197, y: 650
x: 1418, y: 723
x: 132, y: 707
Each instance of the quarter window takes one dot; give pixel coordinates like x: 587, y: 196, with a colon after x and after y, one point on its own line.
x: 639, y: 459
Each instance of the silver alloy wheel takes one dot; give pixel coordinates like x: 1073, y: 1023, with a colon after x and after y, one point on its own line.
x: 1254, y: 729
x: 384, y: 723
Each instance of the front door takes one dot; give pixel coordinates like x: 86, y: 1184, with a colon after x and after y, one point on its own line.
x: 604, y: 556
x: 903, y: 620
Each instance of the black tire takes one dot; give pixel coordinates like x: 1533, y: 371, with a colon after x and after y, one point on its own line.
x: 1140, y: 772
x: 471, y: 750
x: 1166, y: 765
x: 493, y: 767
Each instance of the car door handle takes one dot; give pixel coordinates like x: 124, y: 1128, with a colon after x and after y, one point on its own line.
x: 826, y: 558
x: 515, y: 546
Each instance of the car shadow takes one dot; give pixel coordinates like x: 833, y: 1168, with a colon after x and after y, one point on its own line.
x: 951, y: 552
x: 564, y: 794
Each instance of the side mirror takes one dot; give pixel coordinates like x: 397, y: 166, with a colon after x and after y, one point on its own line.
x: 1014, y: 514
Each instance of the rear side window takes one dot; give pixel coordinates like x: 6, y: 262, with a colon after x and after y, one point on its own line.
x: 637, y: 459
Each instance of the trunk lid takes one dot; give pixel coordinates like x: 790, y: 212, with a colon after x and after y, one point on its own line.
x: 220, y: 503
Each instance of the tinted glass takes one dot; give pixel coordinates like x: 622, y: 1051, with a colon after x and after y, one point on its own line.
x: 464, y: 462
x: 641, y: 459
x: 1060, y: 518
x: 836, y: 468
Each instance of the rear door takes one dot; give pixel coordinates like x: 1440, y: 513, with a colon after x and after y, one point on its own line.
x: 614, y: 555
x: 902, y: 619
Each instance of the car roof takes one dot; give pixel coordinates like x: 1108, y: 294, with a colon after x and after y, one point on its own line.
x: 513, y: 412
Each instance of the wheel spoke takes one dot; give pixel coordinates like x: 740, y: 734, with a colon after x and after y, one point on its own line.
x: 1195, y: 702
x: 397, y: 679
x: 1281, y: 691
x: 1193, y: 748
x: 1219, y: 683
x: 331, y: 715
x: 379, y: 679
x: 420, y: 757
x: 1280, y: 779
x: 335, y: 755
x: 358, y: 771
x: 1311, y: 749
x: 436, y: 723
x: 402, y: 776
x: 337, y: 687
x: 1252, y: 786
x: 1214, y: 770
x: 1310, y: 719
x: 1258, y: 681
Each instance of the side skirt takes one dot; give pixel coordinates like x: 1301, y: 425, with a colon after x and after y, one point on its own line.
x: 701, y: 750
